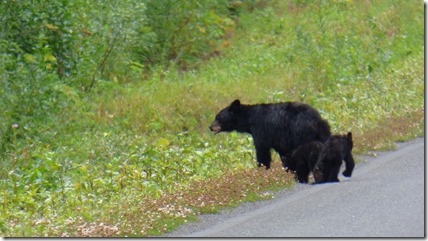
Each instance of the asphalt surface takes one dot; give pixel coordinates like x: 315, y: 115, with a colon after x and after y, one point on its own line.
x: 385, y: 197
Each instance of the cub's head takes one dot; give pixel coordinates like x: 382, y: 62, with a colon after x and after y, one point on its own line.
x: 227, y: 119
x: 318, y: 175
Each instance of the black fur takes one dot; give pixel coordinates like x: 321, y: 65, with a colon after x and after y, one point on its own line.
x: 281, y: 126
x: 303, y: 160
x: 322, y: 159
x: 336, y: 149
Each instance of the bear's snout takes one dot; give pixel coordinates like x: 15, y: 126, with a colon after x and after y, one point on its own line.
x: 318, y: 175
x: 215, y: 127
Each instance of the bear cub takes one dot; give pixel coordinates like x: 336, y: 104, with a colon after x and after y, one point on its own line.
x: 280, y: 126
x: 322, y: 159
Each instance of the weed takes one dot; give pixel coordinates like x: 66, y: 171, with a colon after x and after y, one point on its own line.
x: 105, y: 148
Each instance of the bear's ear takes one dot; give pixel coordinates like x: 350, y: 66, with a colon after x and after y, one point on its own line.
x: 349, y: 136
x: 350, y: 142
x: 236, y: 102
x: 234, y: 107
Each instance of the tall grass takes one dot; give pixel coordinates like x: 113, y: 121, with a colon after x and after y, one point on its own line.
x: 358, y: 62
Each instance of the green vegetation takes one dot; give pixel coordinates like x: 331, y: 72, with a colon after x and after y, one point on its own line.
x: 105, y: 105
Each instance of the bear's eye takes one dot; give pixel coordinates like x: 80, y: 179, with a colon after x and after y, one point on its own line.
x: 223, y: 116
x: 220, y: 117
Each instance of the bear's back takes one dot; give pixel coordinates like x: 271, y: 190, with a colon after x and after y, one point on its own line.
x: 336, y: 147
x: 285, y: 110
x: 288, y: 124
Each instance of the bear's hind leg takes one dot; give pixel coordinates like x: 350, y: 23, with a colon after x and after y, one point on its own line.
x: 350, y: 164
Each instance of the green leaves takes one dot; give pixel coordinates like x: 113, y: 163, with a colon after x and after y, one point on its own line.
x: 162, y: 143
x: 184, y: 31
x: 76, y: 142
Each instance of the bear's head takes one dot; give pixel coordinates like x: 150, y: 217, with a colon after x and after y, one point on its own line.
x: 227, y: 119
x: 318, y: 175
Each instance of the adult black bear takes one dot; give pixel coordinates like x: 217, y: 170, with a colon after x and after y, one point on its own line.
x: 322, y: 159
x: 281, y: 126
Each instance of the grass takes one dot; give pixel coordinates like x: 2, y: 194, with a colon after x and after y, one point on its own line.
x: 137, y: 159
x: 203, y: 196
x: 391, y: 130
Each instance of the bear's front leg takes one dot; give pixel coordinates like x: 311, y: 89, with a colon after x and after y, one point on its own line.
x: 334, y: 172
x: 284, y: 163
x: 263, y: 156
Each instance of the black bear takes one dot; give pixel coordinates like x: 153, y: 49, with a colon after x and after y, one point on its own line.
x: 280, y: 126
x: 336, y: 149
x: 322, y: 159
x: 302, y: 160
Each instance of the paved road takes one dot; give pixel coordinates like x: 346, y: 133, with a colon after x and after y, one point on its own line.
x: 384, y: 198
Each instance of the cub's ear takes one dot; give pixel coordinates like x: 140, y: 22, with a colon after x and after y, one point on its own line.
x: 350, y: 142
x: 234, y: 107
x: 350, y: 136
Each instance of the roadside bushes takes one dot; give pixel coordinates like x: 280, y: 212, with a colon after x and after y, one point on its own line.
x: 53, y: 52
x: 184, y: 31
x: 103, y: 115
